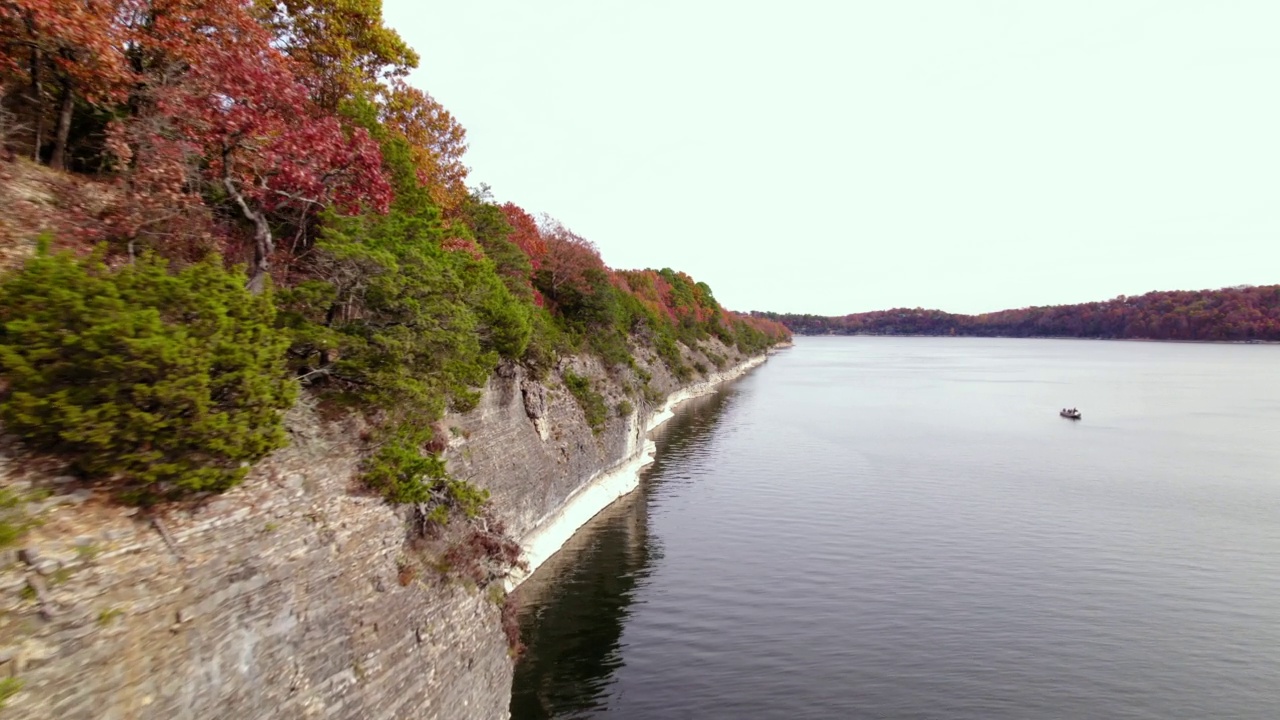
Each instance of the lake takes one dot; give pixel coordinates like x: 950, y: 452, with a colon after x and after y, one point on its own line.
x: 873, y: 527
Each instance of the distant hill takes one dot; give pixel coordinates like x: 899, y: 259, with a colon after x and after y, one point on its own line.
x: 1230, y: 314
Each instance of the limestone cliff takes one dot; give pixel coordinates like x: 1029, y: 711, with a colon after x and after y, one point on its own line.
x: 297, y: 594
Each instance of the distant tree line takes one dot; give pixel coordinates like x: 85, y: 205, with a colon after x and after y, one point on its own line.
x: 1230, y: 314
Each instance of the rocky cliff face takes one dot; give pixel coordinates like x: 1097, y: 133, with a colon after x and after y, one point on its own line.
x: 297, y: 594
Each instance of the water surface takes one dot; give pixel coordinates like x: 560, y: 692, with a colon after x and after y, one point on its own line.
x: 905, y: 528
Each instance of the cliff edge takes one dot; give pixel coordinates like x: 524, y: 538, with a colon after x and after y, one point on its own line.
x: 299, y: 593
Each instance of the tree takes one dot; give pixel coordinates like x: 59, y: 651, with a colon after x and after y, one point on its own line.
x: 525, y: 233
x: 156, y: 380
x: 267, y: 147
x: 398, y: 322
x: 340, y: 47
x: 566, y: 262
x: 203, y: 106
x: 437, y: 140
x: 493, y: 233
x: 74, y: 48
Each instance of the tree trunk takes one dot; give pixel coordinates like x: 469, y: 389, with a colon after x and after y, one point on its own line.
x: 37, y: 101
x: 58, y: 160
x: 330, y: 315
x: 263, y: 244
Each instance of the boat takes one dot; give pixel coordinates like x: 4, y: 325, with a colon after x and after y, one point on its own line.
x: 1071, y: 414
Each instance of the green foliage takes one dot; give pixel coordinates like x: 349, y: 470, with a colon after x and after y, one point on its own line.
x: 591, y: 311
x: 8, y: 688
x: 398, y: 322
x: 108, y: 616
x: 750, y: 339
x: 162, y: 381
x: 392, y: 319
x: 491, y: 230
x: 509, y: 321
x: 13, y: 521
x: 547, y: 342
x: 86, y: 553
x: 664, y: 342
x: 625, y: 408
x: 403, y: 473
x: 591, y: 402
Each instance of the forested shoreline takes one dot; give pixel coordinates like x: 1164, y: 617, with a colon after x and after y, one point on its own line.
x: 1240, y: 314
x: 239, y: 200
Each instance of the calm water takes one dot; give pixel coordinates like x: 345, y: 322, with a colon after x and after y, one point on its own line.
x: 905, y: 528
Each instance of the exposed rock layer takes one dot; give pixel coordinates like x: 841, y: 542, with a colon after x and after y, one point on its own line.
x: 298, y: 594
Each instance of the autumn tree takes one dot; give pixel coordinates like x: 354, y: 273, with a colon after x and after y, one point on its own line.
x: 566, y: 263
x: 341, y: 48
x: 492, y: 231
x: 63, y: 51
x: 437, y: 139
x: 282, y: 132
x: 234, y: 101
x: 525, y: 233
x: 1228, y: 314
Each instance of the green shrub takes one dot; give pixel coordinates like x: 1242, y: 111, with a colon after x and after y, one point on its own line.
x: 402, y: 473
x: 625, y: 408
x: 665, y: 344
x: 8, y: 688
x: 546, y: 343
x: 653, y: 395
x: 400, y: 323
x: 591, y: 402
x: 393, y: 318
x: 162, y: 381
x: 13, y: 521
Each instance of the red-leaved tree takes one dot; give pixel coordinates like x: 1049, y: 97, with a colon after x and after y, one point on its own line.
x: 61, y: 51
x: 566, y: 262
x: 217, y: 89
x: 525, y: 233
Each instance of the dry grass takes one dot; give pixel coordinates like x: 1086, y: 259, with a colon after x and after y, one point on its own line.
x: 37, y: 200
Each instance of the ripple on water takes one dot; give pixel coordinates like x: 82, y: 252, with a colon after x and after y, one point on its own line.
x: 903, y: 528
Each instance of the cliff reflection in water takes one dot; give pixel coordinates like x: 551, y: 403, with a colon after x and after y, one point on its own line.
x: 575, y: 606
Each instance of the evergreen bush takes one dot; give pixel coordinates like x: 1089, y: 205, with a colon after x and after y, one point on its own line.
x: 402, y: 473
x: 398, y: 322
x: 591, y: 402
x: 13, y: 521
x: 160, y: 381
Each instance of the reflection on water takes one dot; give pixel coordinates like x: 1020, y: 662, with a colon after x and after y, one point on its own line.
x: 905, y: 528
x: 574, y: 607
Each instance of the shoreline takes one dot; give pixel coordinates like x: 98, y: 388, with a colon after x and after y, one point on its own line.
x: 610, y: 484
x: 1042, y: 337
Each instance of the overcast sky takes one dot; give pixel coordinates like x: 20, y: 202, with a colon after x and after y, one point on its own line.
x: 836, y: 157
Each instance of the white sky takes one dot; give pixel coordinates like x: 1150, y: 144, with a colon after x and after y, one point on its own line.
x: 836, y: 157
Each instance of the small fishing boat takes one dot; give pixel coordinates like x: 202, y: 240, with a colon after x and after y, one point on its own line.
x: 1071, y: 414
